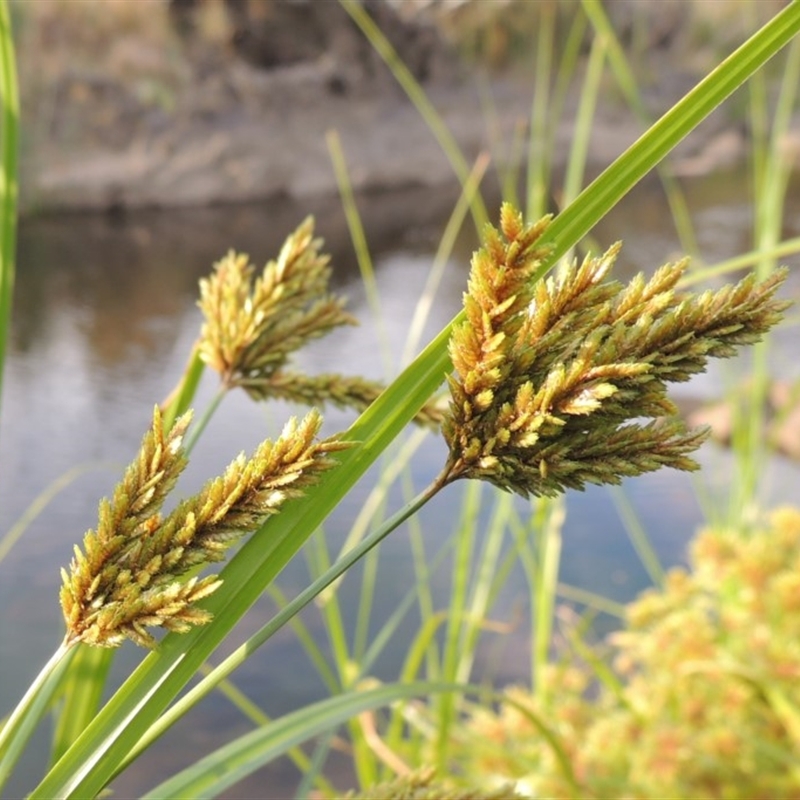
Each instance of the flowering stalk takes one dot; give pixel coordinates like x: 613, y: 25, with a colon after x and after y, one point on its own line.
x: 20, y: 725
x: 130, y: 575
x: 549, y: 377
x: 253, y: 324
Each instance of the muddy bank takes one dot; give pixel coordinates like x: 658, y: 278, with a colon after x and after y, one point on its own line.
x: 173, y: 114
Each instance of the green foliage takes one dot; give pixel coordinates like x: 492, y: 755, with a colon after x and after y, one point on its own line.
x: 9, y: 135
x: 523, y: 417
x: 498, y: 34
x: 254, y: 323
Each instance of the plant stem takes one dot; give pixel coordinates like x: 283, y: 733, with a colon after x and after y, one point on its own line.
x: 182, y: 396
x: 609, y: 187
x: 542, y: 614
x: 203, y: 420
x: 19, y: 727
x: 537, y: 179
x: 9, y: 133
x: 421, y: 102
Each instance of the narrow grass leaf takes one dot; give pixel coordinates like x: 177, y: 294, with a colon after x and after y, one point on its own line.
x: 81, y: 692
x: 222, y: 769
x: 9, y: 135
x: 420, y: 100
x: 638, y: 536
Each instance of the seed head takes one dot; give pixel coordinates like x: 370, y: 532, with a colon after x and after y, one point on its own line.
x: 253, y: 324
x: 131, y: 573
x: 550, y: 378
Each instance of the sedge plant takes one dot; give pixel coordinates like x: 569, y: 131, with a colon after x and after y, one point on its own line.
x: 742, y: 495
x: 551, y: 378
x: 548, y: 380
x: 699, y: 698
x: 526, y: 418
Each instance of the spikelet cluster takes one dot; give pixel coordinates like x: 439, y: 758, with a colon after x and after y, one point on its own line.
x: 130, y: 574
x: 342, y: 391
x: 702, y: 699
x: 550, y: 376
x: 253, y: 324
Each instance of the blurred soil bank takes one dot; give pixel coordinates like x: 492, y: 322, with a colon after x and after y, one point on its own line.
x: 134, y: 103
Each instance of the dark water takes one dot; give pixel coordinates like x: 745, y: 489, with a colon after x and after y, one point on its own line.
x: 104, y: 319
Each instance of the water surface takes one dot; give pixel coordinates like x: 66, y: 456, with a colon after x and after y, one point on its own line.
x: 104, y: 319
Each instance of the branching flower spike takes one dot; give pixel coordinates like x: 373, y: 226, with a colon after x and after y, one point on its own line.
x: 130, y: 574
x: 549, y: 377
x: 253, y: 324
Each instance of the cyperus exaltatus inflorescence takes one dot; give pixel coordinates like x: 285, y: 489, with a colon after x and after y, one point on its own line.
x: 550, y: 377
x: 255, y: 321
x: 552, y: 380
x: 132, y: 572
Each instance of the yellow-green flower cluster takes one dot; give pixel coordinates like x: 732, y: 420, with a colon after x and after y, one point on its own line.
x: 253, y: 324
x: 704, y: 698
x: 130, y: 575
x: 549, y: 377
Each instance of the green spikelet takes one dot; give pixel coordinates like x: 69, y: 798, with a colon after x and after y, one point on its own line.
x: 550, y: 378
x: 254, y: 323
x: 130, y: 575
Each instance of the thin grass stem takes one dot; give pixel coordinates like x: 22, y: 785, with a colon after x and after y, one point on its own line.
x: 369, y: 582
x: 627, y: 82
x: 591, y: 600
x: 638, y: 536
x: 462, y: 561
x: 359, y: 240
x: 25, y: 717
x: 180, y: 400
x: 542, y: 613
x: 420, y: 100
x: 484, y: 585
x: 240, y: 655
x: 40, y: 502
x: 444, y: 249
x: 371, y: 507
x: 306, y: 639
x: 9, y: 135
x: 537, y: 181
x: 199, y: 426
x: 422, y: 573
x: 576, y: 164
x: 257, y: 716
x: 700, y: 273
